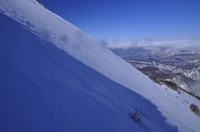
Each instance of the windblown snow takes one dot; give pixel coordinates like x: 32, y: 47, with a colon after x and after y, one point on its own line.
x: 54, y: 77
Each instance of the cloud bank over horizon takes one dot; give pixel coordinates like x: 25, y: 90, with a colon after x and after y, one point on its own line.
x: 158, y: 45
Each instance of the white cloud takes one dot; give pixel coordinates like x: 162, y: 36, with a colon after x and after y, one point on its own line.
x: 176, y: 44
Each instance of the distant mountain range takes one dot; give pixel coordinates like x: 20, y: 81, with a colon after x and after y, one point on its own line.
x: 178, y: 67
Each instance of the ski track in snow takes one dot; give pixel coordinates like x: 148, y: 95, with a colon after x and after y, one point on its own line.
x: 74, y: 86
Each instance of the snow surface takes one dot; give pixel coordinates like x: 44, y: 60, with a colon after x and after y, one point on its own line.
x: 54, y: 77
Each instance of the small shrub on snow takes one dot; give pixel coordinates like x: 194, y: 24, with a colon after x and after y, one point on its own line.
x: 195, y: 109
x: 137, y: 115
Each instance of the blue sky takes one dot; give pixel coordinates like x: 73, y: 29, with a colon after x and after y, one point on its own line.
x: 132, y: 20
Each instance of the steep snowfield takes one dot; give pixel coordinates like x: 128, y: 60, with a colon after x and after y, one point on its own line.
x: 54, y: 77
x: 44, y: 89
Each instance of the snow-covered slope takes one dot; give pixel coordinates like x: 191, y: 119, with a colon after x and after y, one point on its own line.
x: 54, y: 77
x: 45, y: 89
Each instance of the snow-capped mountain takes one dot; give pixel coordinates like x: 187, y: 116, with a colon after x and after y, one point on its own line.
x: 181, y: 67
x: 54, y: 77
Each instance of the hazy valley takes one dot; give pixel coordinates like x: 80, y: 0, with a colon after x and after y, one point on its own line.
x: 177, y: 68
